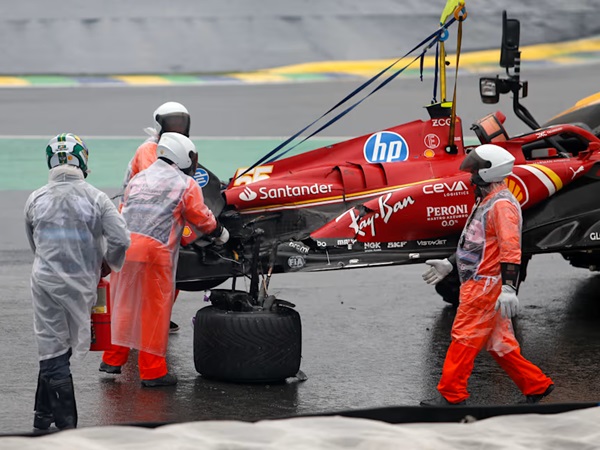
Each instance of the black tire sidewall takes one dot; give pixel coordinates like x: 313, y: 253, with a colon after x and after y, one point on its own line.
x: 250, y: 347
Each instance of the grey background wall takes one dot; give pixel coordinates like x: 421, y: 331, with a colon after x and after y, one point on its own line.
x: 203, y: 36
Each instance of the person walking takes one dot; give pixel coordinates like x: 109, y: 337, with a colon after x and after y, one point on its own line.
x: 157, y: 203
x: 488, y: 260
x: 73, y: 230
x: 170, y: 117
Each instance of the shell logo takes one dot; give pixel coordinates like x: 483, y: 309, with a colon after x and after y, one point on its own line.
x: 187, y: 231
x: 428, y: 153
x: 518, y: 189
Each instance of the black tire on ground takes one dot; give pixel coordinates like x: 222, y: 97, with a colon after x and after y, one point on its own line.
x: 247, y: 347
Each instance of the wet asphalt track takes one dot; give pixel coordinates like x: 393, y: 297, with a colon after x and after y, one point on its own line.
x: 372, y: 337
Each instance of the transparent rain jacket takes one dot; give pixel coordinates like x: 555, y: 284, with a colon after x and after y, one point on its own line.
x: 492, y: 235
x: 157, y: 203
x: 71, y: 227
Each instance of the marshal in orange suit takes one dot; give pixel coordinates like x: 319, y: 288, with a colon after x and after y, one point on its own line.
x: 488, y: 260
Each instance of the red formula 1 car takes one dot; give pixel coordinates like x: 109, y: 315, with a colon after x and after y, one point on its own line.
x: 397, y: 197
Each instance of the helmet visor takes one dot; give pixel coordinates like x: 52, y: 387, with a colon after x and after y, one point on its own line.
x: 174, y: 123
x: 474, y: 163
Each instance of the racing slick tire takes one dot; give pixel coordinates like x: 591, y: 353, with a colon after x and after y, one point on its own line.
x: 259, y: 346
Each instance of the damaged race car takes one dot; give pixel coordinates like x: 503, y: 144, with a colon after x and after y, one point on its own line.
x: 394, y: 196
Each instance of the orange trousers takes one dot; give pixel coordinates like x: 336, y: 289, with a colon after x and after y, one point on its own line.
x: 459, y: 365
x: 151, y: 366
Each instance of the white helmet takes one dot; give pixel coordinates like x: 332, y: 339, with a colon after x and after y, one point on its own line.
x: 67, y: 148
x: 178, y: 149
x: 491, y: 162
x: 172, y: 117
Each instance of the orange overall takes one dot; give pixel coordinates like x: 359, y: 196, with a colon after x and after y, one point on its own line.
x: 144, y: 157
x: 492, y: 236
x: 156, y: 204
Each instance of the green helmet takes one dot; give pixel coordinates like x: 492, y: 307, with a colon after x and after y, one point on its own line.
x: 67, y: 148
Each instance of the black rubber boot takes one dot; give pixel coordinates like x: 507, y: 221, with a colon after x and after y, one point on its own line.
x: 42, y: 418
x: 440, y: 400
x: 62, y: 397
x: 173, y: 327
x: 535, y: 398
x: 166, y: 380
x: 114, y: 370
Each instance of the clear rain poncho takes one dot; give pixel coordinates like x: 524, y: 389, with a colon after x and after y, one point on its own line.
x: 157, y: 203
x: 71, y: 227
x: 492, y: 235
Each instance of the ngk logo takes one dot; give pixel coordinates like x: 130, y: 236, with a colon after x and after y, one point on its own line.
x: 372, y: 246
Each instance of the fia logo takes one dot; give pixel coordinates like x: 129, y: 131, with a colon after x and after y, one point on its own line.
x: 296, y: 262
x: 248, y: 194
x: 385, y: 146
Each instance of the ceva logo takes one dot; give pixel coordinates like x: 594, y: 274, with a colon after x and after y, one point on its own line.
x: 385, y: 146
x: 248, y: 194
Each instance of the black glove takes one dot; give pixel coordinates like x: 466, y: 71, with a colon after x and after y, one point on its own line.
x: 105, y: 270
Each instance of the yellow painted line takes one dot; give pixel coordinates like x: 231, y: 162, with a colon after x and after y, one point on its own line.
x: 258, y: 77
x: 544, y: 51
x: 555, y: 51
x: 551, y: 174
x: 142, y: 79
x: 563, y: 53
x: 563, y: 60
x: 13, y: 81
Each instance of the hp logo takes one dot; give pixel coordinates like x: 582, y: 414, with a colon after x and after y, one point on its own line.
x: 201, y: 177
x: 386, y: 146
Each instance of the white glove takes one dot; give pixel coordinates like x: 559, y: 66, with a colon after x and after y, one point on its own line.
x: 440, y: 268
x: 222, y: 238
x: 507, y: 302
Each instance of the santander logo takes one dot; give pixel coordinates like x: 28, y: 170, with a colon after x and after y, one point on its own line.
x: 248, y: 194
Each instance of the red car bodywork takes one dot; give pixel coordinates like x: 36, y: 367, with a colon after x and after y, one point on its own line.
x: 419, y: 196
